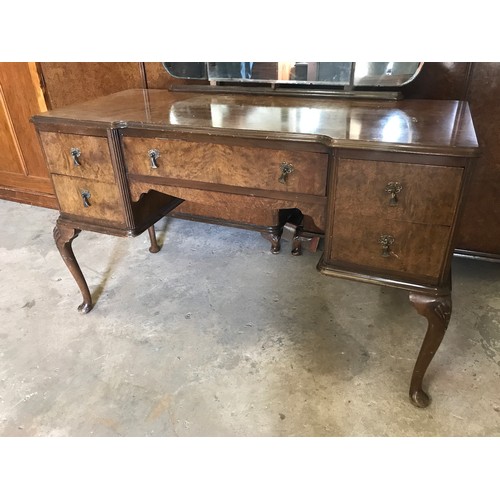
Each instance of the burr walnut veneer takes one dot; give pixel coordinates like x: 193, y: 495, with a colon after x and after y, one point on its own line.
x: 383, y: 181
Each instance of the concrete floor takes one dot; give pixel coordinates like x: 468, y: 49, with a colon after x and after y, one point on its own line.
x: 215, y: 336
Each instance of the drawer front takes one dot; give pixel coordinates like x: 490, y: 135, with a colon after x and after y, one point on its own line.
x: 408, y: 192
x: 249, y: 167
x: 91, y: 157
x: 102, y: 199
x: 417, y: 249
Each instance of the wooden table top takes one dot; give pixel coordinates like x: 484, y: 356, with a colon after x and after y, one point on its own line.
x: 433, y: 126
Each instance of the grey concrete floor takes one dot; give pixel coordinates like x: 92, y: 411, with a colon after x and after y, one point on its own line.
x: 215, y: 336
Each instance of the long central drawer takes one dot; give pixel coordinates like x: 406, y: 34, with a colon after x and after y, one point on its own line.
x: 250, y: 167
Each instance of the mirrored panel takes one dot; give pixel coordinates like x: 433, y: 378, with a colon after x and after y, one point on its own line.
x: 194, y: 70
x: 384, y: 74
x: 341, y: 74
x: 337, y: 73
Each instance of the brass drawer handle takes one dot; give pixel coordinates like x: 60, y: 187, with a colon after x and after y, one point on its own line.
x: 393, y: 188
x: 153, y: 154
x: 286, y: 168
x: 75, y: 154
x: 386, y: 240
x: 85, y: 198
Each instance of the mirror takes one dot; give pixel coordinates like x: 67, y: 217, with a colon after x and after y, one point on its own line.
x: 337, y: 74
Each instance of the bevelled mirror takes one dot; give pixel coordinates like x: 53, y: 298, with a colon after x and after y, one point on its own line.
x: 345, y: 75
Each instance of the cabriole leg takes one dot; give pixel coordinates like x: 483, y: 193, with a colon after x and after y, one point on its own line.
x: 274, y: 237
x: 437, y: 311
x: 154, y: 248
x: 296, y: 245
x: 64, y: 236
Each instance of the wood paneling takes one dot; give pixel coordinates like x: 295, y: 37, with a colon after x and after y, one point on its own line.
x: 11, y: 157
x: 480, y: 227
x: 69, y: 83
x: 439, y: 80
x: 23, y: 173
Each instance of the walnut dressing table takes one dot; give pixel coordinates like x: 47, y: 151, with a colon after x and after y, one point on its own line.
x: 382, y: 180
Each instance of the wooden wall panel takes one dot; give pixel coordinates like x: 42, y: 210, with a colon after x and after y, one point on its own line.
x: 69, y: 83
x: 480, y: 227
x: 439, y: 80
x: 11, y: 158
x: 23, y: 173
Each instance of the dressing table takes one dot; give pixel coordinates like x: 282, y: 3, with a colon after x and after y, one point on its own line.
x: 381, y: 180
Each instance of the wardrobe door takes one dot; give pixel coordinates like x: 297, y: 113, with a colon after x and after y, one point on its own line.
x: 23, y: 173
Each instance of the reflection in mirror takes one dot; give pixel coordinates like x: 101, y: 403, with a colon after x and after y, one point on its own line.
x: 377, y: 74
x: 346, y: 120
x: 230, y: 70
x: 341, y: 74
x: 195, y: 70
x: 282, y: 72
x: 220, y: 112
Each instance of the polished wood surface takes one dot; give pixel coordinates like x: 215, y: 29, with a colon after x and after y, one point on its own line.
x: 67, y: 83
x: 255, y: 168
x: 247, y: 201
x: 94, y: 158
x: 439, y: 127
x: 428, y: 193
x: 437, y: 311
x: 221, y: 210
x: 418, y: 250
x: 103, y: 200
x: 64, y: 236
x: 383, y: 180
x: 387, y: 232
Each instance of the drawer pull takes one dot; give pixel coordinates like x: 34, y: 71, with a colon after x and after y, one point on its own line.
x: 286, y: 168
x: 85, y: 198
x: 153, y: 154
x: 75, y: 154
x: 386, y: 240
x: 393, y: 188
